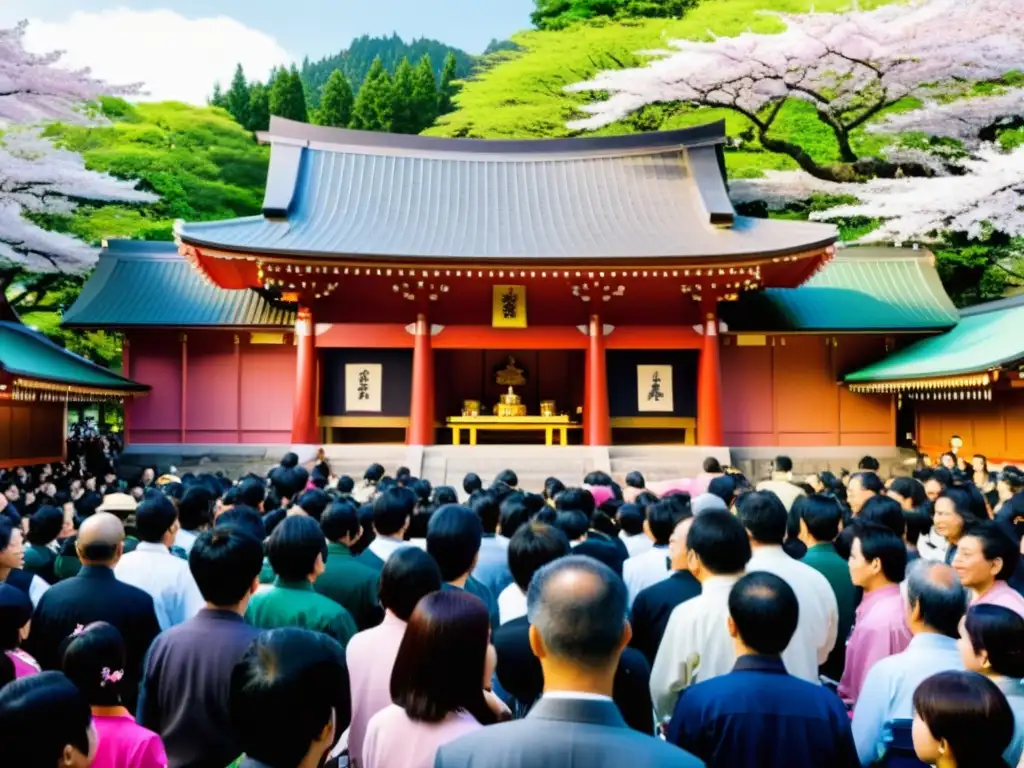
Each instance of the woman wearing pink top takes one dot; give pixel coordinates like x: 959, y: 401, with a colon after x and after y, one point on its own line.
x: 985, y: 558
x: 15, y: 616
x: 439, y: 684
x: 94, y: 659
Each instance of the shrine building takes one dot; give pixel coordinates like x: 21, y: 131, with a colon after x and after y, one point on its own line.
x: 595, y: 291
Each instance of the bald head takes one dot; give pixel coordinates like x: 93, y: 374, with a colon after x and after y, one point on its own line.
x: 579, y: 606
x: 100, y: 539
x: 936, y: 600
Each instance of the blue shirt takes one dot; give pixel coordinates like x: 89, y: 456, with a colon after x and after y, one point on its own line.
x: 888, y: 690
x: 760, y: 716
x: 492, y: 564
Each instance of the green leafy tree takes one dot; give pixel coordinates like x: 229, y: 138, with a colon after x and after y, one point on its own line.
x: 403, y: 116
x: 259, y: 108
x: 424, y: 94
x: 237, y: 98
x: 335, y: 102
x: 447, y: 89
x: 288, y: 97
x: 372, y: 109
x: 217, y: 98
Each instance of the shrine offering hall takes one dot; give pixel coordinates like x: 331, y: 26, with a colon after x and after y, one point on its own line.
x: 433, y: 291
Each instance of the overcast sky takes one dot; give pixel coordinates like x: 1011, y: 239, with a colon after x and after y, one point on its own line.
x: 178, y: 48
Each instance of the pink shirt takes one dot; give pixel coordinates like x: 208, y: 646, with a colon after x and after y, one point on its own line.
x: 879, y: 630
x: 24, y: 665
x: 393, y: 740
x: 123, y: 743
x: 1004, y: 595
x: 370, y: 656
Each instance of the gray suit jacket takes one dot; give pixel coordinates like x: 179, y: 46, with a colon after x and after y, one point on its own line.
x: 579, y: 732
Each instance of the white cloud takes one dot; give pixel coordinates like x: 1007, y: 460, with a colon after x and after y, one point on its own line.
x: 176, y: 58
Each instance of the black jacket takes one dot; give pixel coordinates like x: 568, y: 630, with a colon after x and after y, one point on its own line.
x: 654, y: 605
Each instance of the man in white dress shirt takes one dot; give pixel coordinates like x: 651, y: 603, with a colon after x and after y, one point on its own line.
x: 152, y: 568
x: 781, y: 482
x: 696, y: 645
x: 392, y: 512
x: 532, y: 546
x: 644, y: 570
x: 631, y: 521
x: 764, y: 516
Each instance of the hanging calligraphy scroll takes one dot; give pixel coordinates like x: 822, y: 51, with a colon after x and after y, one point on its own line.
x: 654, y: 389
x: 509, y: 306
x: 363, y: 383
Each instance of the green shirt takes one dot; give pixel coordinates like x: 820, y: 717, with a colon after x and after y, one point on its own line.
x: 40, y: 561
x: 351, y: 584
x: 295, y: 604
x: 267, y: 574
x: 825, y: 560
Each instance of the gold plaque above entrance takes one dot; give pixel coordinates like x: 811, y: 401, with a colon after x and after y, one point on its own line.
x: 508, y: 306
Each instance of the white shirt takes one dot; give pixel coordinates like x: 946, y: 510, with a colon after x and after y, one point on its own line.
x: 642, y: 571
x: 185, y: 539
x: 511, y: 603
x: 636, y: 544
x: 783, y: 488
x: 166, y: 578
x: 696, y: 645
x: 384, y: 547
x: 818, y: 625
x: 36, y: 589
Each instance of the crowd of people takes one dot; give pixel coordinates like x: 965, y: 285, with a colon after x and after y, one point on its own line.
x: 300, y: 619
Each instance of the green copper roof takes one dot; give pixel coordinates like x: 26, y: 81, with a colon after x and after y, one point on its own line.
x: 861, y: 289
x: 988, y: 336
x: 29, y: 354
x: 144, y: 284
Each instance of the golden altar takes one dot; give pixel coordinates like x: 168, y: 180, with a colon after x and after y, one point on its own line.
x: 509, y: 414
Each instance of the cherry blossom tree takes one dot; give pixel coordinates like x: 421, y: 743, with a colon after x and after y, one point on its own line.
x: 971, y: 121
x: 850, y: 66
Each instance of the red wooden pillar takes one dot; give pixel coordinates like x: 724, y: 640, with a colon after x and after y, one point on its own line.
x: 709, y: 381
x: 304, y: 429
x: 421, y: 406
x: 126, y: 402
x: 597, y: 425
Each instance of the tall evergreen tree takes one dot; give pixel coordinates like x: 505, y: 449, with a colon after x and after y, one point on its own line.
x: 259, y: 108
x: 424, y: 94
x: 217, y: 97
x: 237, y: 97
x: 403, y: 116
x: 288, y: 97
x: 447, y: 90
x: 372, y: 109
x: 336, y: 101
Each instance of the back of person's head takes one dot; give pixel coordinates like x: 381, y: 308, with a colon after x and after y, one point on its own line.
x: 15, y: 613
x: 392, y: 510
x: 997, y: 634
x: 453, y: 540
x: 373, y: 473
x: 577, y: 608
x: 597, y: 477
x: 576, y: 499
x: 966, y: 715
x: 408, y: 575
x: 783, y: 464
x: 821, y: 514
x: 340, y: 521
x: 45, y: 721
x: 720, y: 541
x: 252, y: 492
x: 881, y: 510
x: 422, y: 488
x: 635, y: 480
x: 711, y: 465
x: 662, y: 518
x: 345, y: 485
x: 552, y: 487
x: 485, y: 505
x: 909, y: 488
x: 919, y: 523
x: 442, y: 657
x: 471, y: 482
x: 45, y: 525
x: 196, y: 508
x: 225, y: 562
x: 244, y: 518
x: 869, y: 481
x: 87, y: 504
x: 869, y: 463
x: 533, y: 546
x: 294, y: 546
x: 764, y: 516
x: 936, y: 596
x: 154, y: 517
x: 287, y: 691
x: 573, y: 523
x: 94, y: 660
x: 514, y: 513
x: 444, y: 494
x: 764, y: 612
x: 878, y: 542
x: 996, y: 545
x: 313, y: 502
x: 724, y: 487
x: 631, y: 519
x: 508, y: 477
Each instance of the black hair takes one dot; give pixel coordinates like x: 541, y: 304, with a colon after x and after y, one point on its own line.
x: 392, y: 509
x: 485, y: 505
x: 196, y: 508
x: 631, y: 519
x: 408, y: 575
x: 719, y: 539
x: 245, y: 519
x: 48, y: 697
x: 471, y: 482
x: 552, y: 487
x: 154, y: 517
x: 909, y: 488
x: 724, y: 487
x: 422, y: 488
x: 878, y: 542
x: 968, y: 504
x: 94, y: 660
x: 711, y: 465
x: 662, y: 518
x: 533, y: 546
x: 918, y: 524
x: 87, y: 504
x: 573, y: 523
x: 597, y: 477
x: 783, y: 464
x: 15, y: 613
x: 764, y: 515
x: 869, y: 481
x: 373, y: 473
x: 765, y: 610
x: 444, y: 494
x: 453, y: 540
x: 869, y: 463
x: 999, y: 632
x: 881, y: 510
x: 45, y: 525
x: 508, y: 477
x: 345, y: 484
x: 513, y: 515
x: 341, y: 520
x: 578, y: 499
x: 821, y: 513
x: 313, y: 502
x: 635, y: 480
x: 996, y: 544
x: 231, y: 496
x: 293, y: 547
x: 224, y: 562
x: 283, y: 692
x: 252, y: 492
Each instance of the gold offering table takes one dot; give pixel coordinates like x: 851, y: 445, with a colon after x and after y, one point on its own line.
x: 510, y: 424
